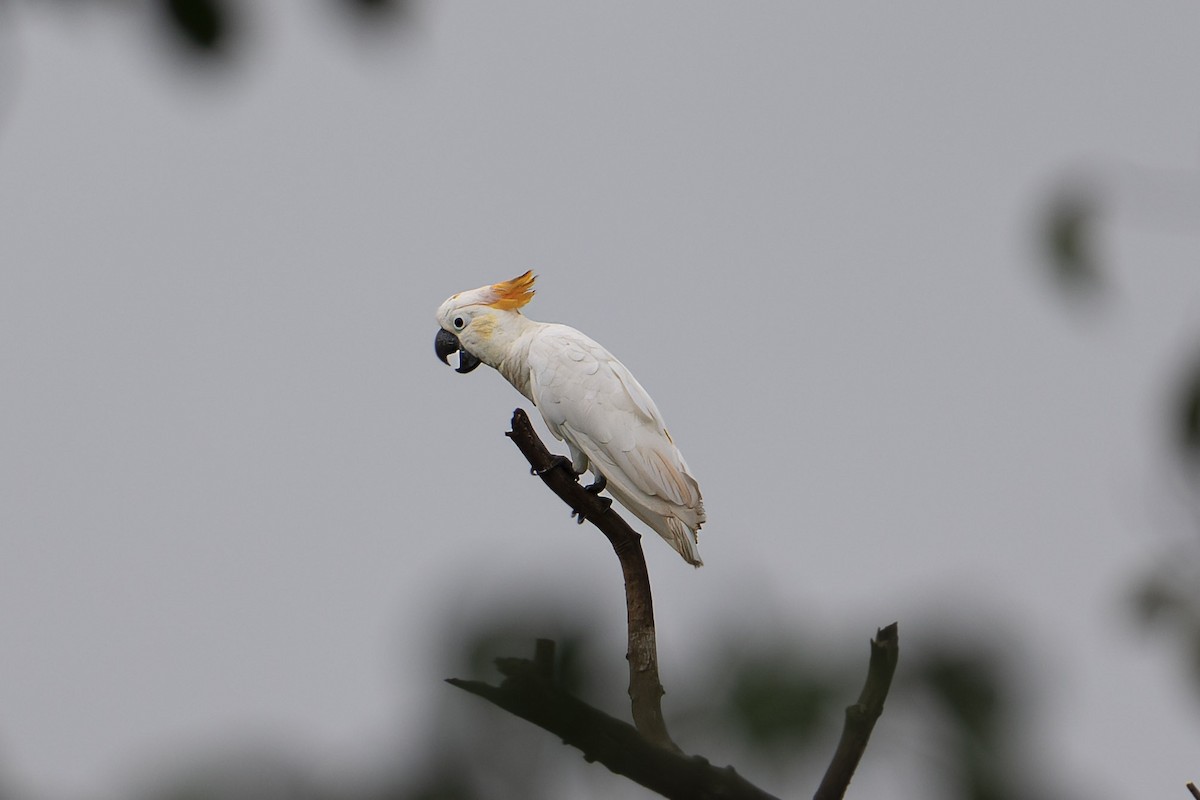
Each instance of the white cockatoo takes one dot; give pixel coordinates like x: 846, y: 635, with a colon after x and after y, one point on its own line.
x: 587, y: 398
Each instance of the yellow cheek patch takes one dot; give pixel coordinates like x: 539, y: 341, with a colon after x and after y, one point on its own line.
x: 483, y: 327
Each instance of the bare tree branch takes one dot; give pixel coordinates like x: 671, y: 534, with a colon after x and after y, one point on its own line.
x: 528, y: 691
x: 645, y: 689
x: 645, y: 753
x: 861, y: 717
x: 1195, y: 792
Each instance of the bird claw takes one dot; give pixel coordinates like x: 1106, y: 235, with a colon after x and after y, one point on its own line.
x: 593, y: 488
x: 555, y: 462
x: 604, y: 501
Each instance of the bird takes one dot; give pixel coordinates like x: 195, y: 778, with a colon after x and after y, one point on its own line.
x: 586, y: 397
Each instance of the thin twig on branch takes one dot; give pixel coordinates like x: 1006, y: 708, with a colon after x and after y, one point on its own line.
x: 529, y: 692
x: 1195, y: 792
x: 645, y: 689
x: 860, y: 717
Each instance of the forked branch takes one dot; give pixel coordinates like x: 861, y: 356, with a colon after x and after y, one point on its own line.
x: 646, y: 754
x: 529, y: 692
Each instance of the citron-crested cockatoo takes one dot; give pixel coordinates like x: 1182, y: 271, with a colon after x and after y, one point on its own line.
x: 587, y: 398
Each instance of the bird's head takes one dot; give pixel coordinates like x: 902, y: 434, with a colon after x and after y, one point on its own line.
x: 480, y: 324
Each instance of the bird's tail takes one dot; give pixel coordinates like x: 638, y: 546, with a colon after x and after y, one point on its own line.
x: 683, y: 540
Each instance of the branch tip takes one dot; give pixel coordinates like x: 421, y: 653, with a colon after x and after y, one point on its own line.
x: 888, y: 634
x: 861, y: 717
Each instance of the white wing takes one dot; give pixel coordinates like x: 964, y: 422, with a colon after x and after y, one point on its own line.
x: 590, y: 399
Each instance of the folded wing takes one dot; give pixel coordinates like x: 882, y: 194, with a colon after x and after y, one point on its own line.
x: 591, y: 400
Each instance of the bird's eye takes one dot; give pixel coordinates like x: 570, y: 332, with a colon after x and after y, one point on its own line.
x: 458, y: 323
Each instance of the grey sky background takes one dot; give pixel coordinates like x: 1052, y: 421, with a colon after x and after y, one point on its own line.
x: 239, y: 498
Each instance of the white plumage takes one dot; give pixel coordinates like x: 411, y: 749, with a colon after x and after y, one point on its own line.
x: 587, y: 398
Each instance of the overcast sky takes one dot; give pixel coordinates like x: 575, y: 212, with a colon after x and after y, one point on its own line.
x: 239, y: 496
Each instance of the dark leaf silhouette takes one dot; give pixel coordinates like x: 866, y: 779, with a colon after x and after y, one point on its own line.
x: 203, y: 25
x: 779, y: 702
x: 1067, y: 239
x: 1188, y: 414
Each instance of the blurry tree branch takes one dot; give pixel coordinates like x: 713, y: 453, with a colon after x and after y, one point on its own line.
x: 1195, y: 792
x: 645, y: 753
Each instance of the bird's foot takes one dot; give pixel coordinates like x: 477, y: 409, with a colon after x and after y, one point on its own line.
x: 604, y: 501
x: 597, y: 486
x: 555, y: 462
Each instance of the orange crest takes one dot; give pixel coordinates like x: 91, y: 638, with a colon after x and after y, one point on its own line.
x: 513, y: 294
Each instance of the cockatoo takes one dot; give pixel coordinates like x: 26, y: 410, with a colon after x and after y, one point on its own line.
x: 587, y: 398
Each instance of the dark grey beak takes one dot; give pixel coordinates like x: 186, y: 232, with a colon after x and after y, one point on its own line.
x: 446, y: 343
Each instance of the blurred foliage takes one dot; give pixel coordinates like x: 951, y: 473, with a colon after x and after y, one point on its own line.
x: 781, y: 704
x: 1187, y: 415
x: 1068, y: 230
x: 777, y: 703
x: 242, y: 776
x: 200, y: 24
x: 969, y: 689
x: 211, y: 30
x: 975, y: 694
x: 439, y: 779
x: 390, y: 11
x: 1168, y: 597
